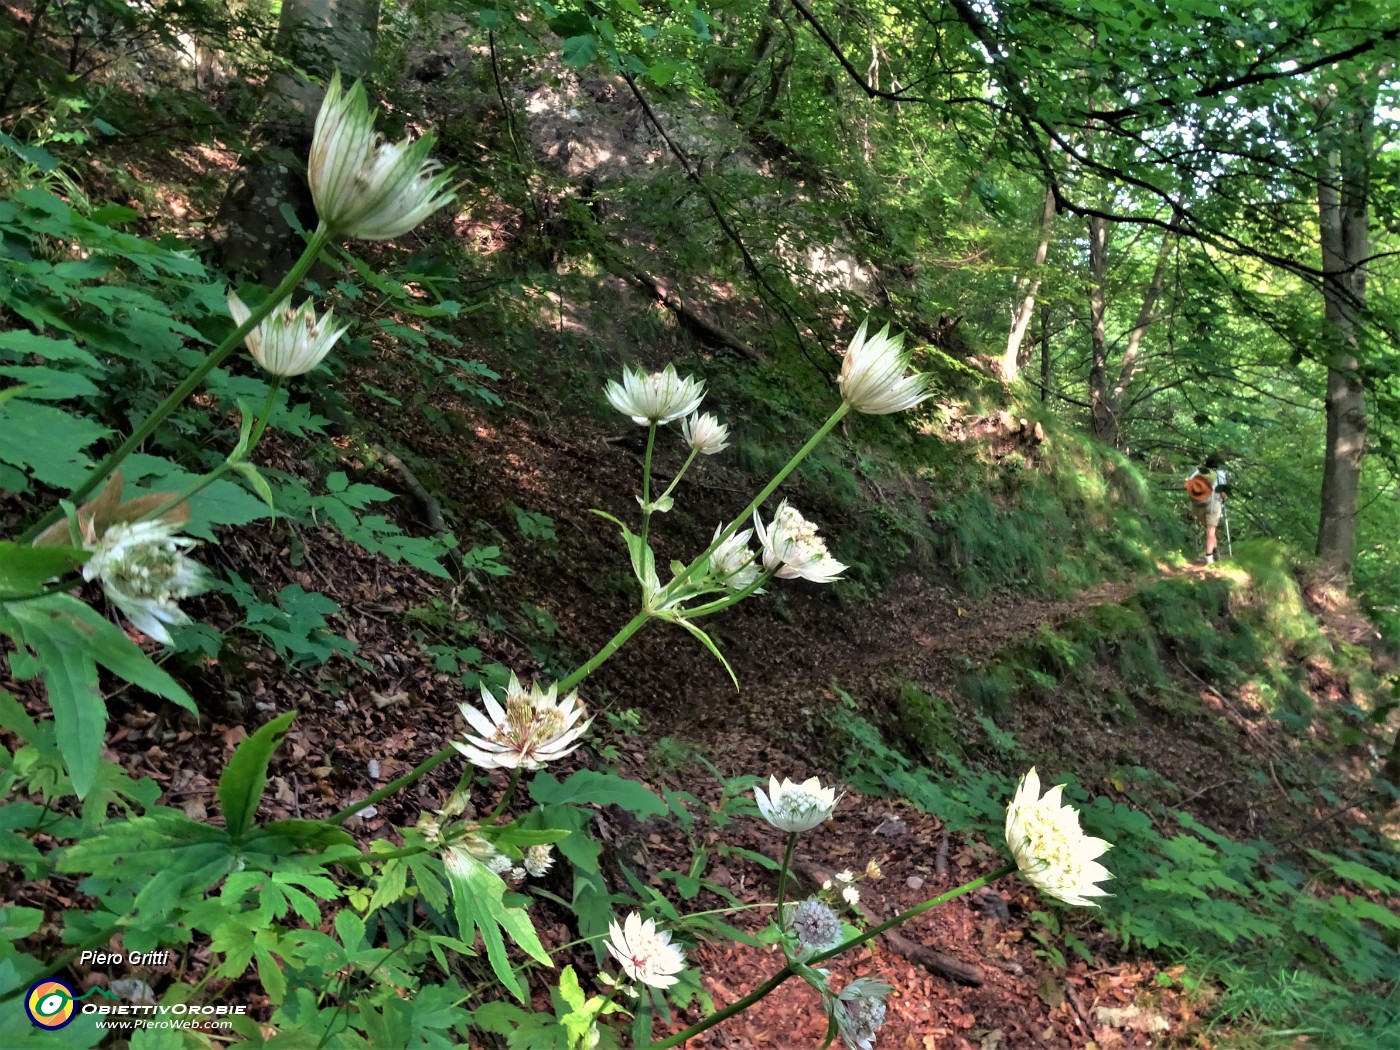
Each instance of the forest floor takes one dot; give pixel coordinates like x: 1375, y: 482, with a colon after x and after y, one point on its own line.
x: 361, y: 725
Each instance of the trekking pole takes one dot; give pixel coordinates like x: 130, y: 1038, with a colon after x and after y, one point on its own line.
x: 1225, y: 516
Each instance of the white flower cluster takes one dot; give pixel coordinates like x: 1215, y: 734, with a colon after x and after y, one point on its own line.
x: 1051, y: 850
x: 145, y: 572
x: 859, y: 1011
x: 796, y: 807
x: 646, y: 953
x: 532, y: 728
x: 815, y: 927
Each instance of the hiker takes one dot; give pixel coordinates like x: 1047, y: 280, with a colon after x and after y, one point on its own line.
x: 1207, y: 488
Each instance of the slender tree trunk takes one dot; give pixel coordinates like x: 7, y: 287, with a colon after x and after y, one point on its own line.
x: 1026, y: 288
x: 1147, y: 313
x: 319, y: 36
x: 1102, y: 422
x: 1344, y: 228
x: 1044, y: 352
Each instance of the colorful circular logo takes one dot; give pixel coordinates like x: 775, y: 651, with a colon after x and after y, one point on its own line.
x: 49, y: 1004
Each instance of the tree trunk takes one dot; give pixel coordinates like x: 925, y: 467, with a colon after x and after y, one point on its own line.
x: 1044, y: 352
x: 1132, y: 359
x: 319, y: 36
x: 1026, y: 289
x: 1102, y: 422
x: 1344, y: 229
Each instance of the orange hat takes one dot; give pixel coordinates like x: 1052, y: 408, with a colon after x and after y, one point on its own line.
x: 1199, y: 488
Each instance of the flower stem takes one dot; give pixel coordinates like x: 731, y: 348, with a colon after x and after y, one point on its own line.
x: 918, y: 909
x: 176, y: 397
x: 787, y: 971
x: 375, y: 797
x: 729, y: 599
x: 782, y: 886
x: 679, y: 474
x: 757, y: 501
x: 646, y: 483
x: 614, y: 643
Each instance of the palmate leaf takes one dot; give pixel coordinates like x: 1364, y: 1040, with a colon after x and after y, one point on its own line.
x: 144, y: 866
x: 69, y: 641
x: 478, y: 902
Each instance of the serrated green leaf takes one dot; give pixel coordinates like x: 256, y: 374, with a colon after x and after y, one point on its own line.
x: 241, y: 785
x: 603, y: 789
x: 478, y: 903
x: 25, y: 569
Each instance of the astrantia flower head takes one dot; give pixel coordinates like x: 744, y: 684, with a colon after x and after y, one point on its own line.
x: 646, y: 953
x: 796, y: 807
x: 705, y: 434
x: 873, y: 378
x: 792, y: 548
x: 815, y: 926
x: 363, y: 186
x: 145, y: 572
x: 658, y: 397
x: 860, y: 1011
x: 732, y: 563
x: 1050, y: 848
x: 288, y: 342
x: 539, y: 859
x: 533, y: 728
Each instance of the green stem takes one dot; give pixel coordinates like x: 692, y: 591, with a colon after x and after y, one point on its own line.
x: 914, y: 912
x: 319, y: 239
x: 375, y: 797
x: 238, y: 455
x: 646, y: 483
x: 788, y: 970
x: 679, y: 474
x: 615, y: 643
x: 782, y: 887
x: 757, y: 501
x: 729, y: 599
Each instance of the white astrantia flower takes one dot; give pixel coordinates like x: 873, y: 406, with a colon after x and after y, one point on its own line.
x: 705, y: 433
x: 1050, y: 848
x: 658, y: 397
x: 288, y: 342
x: 533, y: 728
x: 499, y: 864
x: 145, y: 572
x: 792, y: 548
x: 851, y: 896
x: 796, y: 807
x: 815, y: 926
x: 733, y: 563
x: 539, y: 859
x: 646, y: 953
x: 860, y: 1011
x: 873, y: 378
x: 363, y: 186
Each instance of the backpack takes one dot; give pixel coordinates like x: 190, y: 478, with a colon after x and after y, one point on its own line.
x: 1199, y: 488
